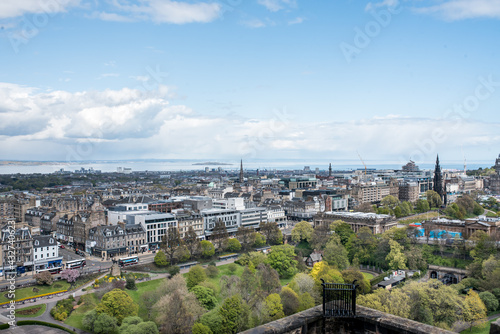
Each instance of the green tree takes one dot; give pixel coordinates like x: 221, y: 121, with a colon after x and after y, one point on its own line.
x: 105, y: 323
x: 489, y: 300
x: 212, y: 271
x: 271, y: 232
x: 171, y: 244
x: 161, y: 259
x: 233, y: 245
x: 118, y: 304
x: 259, y: 239
x: 344, y: 231
x: 282, y: 258
x: 128, y: 322
x: 231, y: 312
x: 320, y: 236
x: 396, y: 259
x: 199, y: 328
x: 219, y: 235
x: 474, y: 311
x: 306, y: 301
x: 302, y: 231
x: 248, y: 283
x: 207, y: 249
x: 130, y: 285
x: 335, y: 254
x: 268, y: 278
x: 273, y: 307
x: 88, y: 320
x: 433, y: 198
x: 195, y: 276
x: 205, y: 296
x: 389, y: 201
x: 351, y: 274
x: 290, y: 301
x: 191, y: 241
x: 245, y: 236
x: 422, y: 206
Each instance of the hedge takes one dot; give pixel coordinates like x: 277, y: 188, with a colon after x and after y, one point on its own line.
x: 4, y: 326
x: 379, y: 278
x: 43, y: 323
x: 38, y: 296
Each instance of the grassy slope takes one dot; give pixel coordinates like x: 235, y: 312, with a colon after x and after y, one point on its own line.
x: 28, y: 292
x: 41, y: 311
x: 479, y: 330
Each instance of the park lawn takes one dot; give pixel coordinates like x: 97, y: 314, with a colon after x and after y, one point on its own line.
x: 479, y: 330
x: 141, y: 288
x: 28, y: 291
x: 41, y: 310
x: 368, y: 276
x: 75, y: 318
x: 285, y: 281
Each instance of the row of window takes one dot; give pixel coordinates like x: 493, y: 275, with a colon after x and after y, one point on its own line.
x: 47, y: 256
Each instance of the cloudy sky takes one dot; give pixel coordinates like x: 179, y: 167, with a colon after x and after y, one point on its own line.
x: 266, y: 79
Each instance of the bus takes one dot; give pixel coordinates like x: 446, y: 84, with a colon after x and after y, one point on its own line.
x: 229, y: 257
x: 128, y: 261
x: 76, y: 264
x: 187, y: 265
x: 53, y: 271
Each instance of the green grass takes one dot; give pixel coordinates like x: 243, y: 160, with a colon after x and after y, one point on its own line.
x: 141, y: 288
x: 28, y: 291
x: 479, y: 330
x: 491, y: 214
x: 42, y: 308
x: 75, y: 318
x: 368, y: 276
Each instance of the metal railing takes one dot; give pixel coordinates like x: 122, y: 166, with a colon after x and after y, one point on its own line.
x: 339, y: 299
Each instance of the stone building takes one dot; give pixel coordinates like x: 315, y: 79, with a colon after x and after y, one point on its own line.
x: 23, y: 248
x: 493, y: 181
x: 408, y: 191
x: 375, y: 222
x: 108, y: 241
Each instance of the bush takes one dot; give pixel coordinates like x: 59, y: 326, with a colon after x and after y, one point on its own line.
x: 130, y: 285
x: 44, y: 278
x: 161, y: 259
x: 205, y: 296
x: 233, y: 245
x: 195, y: 275
x: 62, y: 309
x: 43, y: 323
x: 4, y: 326
x: 173, y: 270
x: 212, y: 271
x: 199, y: 328
x: 489, y: 300
x: 232, y: 268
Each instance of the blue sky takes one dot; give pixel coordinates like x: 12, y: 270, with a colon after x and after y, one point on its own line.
x: 266, y: 79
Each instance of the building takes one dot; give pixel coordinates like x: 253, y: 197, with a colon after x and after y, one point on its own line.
x: 48, y: 223
x: 253, y: 217
x: 231, y: 218
x: 187, y: 220
x: 22, y: 256
x: 410, y: 167
x: 46, y: 252
x: 165, y: 206
x: 299, y: 182
x: 375, y: 222
x: 65, y: 229
x: 408, y: 191
x: 443, y: 228
x: 156, y: 225
x: 82, y: 223
x: 233, y: 203
x: 197, y: 203
x: 135, y: 236
x: 493, y: 181
x: 370, y: 193
x: 108, y: 241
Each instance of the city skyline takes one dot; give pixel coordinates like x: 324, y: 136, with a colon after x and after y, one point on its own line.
x: 264, y: 79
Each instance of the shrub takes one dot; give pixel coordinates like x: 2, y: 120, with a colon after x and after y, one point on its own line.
x: 130, y: 285
x: 489, y: 300
x: 233, y: 245
x: 62, y: 309
x: 212, y: 271
x: 44, y: 278
x: 195, y: 275
x: 199, y: 328
x: 174, y: 270
x: 42, y: 323
x: 232, y: 268
x: 161, y: 259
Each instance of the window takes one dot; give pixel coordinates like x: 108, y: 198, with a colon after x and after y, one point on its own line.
x: 41, y: 256
x: 53, y: 254
x: 35, y: 257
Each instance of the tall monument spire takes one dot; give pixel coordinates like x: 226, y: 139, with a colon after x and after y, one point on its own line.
x: 330, y: 170
x: 241, y: 171
x: 438, y: 179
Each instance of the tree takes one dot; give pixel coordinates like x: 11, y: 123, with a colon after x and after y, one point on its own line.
x: 171, y: 244
x: 415, y: 258
x: 422, y: 206
x: 344, y: 231
x: 205, y: 296
x: 321, y: 270
x: 259, y: 239
x: 489, y: 300
x: 199, y: 328
x: 44, y: 278
x: 396, y: 259
x: 130, y: 285
x: 389, y: 201
x: 232, y: 268
x: 70, y: 275
x: 178, y: 309
x: 302, y: 231
x: 433, y: 198
x: 320, y: 236
x: 117, y: 303
x: 231, y: 312
x: 105, y: 323
x: 302, y: 283
x: 282, y: 258
x: 474, y: 311
x: 365, y: 207
x: 135, y: 325
x: 335, y: 254
x: 212, y: 271
x: 248, y: 283
x: 306, y: 301
x: 88, y: 320
x: 195, y: 276
x: 484, y: 245
x: 174, y: 270
x: 161, y: 259
x: 207, y: 249
x: 191, y: 241
x: 290, y: 301
x: 245, y: 236
x: 272, y: 233
x: 219, y: 235
x: 233, y: 245
x: 148, y: 300
x: 269, y: 278
x: 352, y: 274
x: 273, y: 307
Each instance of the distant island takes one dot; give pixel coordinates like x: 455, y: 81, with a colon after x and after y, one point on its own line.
x: 211, y: 163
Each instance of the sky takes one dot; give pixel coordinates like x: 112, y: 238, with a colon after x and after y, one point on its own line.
x: 385, y: 80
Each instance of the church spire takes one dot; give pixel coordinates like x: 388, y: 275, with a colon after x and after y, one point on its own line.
x: 241, y: 171
x: 330, y: 170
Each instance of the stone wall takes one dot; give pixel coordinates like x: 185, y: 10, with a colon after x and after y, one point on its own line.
x: 367, y: 321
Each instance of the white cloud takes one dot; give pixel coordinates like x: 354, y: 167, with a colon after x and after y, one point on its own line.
x: 109, y: 75
x: 112, y: 17
x: 130, y: 123
x: 254, y: 23
x: 277, y: 5
x: 385, y: 3
x: 464, y: 9
x: 10, y: 9
x: 297, y: 20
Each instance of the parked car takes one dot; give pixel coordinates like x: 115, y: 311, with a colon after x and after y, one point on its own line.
x: 62, y: 246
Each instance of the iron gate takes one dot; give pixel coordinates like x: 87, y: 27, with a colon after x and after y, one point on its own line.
x: 339, y: 300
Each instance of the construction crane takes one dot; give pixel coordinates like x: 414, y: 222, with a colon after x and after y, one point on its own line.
x: 361, y: 161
